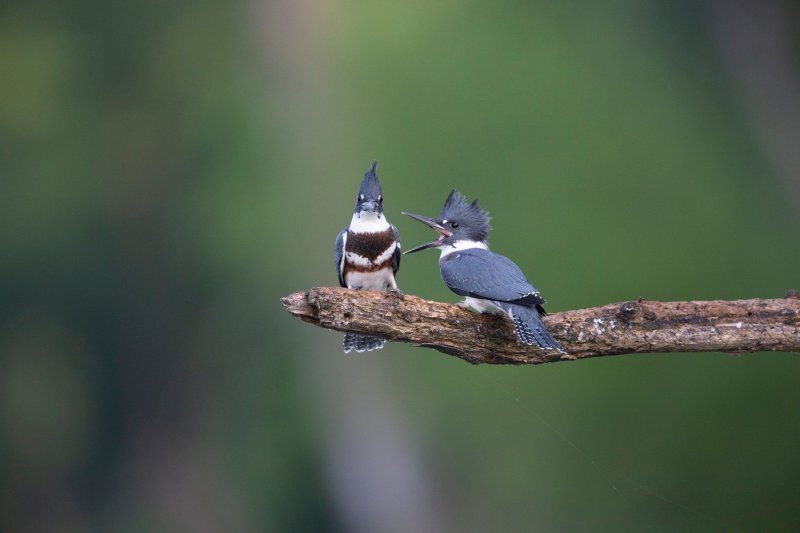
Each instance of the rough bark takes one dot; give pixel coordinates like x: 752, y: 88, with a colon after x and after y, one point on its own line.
x: 637, y: 326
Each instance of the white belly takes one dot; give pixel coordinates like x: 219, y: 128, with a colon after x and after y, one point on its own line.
x: 371, y: 281
x: 479, y: 304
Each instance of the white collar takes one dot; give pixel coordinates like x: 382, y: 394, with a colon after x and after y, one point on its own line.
x: 457, y: 246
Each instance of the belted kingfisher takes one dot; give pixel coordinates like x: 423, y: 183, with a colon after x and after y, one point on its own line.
x: 367, y: 254
x: 486, y: 279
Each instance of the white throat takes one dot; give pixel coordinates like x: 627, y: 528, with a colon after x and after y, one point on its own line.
x: 367, y: 222
x: 448, y: 249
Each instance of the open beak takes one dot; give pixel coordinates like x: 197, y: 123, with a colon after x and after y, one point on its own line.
x: 431, y: 223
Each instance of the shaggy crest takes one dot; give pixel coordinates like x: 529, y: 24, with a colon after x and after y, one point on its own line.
x: 370, y: 186
x: 472, y: 218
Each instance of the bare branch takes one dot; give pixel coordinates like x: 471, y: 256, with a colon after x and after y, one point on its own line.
x: 735, y: 327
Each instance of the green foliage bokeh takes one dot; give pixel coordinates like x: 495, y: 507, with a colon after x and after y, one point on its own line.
x: 169, y: 170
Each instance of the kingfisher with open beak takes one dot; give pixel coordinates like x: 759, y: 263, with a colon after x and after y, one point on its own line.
x: 487, y: 280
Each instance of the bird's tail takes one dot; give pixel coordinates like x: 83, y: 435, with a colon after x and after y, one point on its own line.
x: 529, y: 325
x: 361, y: 343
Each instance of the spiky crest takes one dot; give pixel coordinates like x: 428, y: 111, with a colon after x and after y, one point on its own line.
x: 473, y: 220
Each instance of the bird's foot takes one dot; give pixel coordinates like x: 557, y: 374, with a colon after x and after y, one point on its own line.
x: 396, y: 291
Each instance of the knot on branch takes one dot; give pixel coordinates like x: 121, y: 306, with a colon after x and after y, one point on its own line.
x: 629, y: 311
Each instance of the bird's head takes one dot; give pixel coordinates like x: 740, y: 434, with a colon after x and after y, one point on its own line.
x: 370, y: 198
x: 459, y: 220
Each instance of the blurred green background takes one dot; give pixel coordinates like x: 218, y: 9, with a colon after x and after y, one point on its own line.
x: 169, y: 170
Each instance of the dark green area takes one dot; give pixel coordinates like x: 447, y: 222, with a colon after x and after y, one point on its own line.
x: 169, y: 170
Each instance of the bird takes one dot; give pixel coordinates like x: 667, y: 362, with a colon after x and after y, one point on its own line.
x: 367, y: 253
x: 488, y: 281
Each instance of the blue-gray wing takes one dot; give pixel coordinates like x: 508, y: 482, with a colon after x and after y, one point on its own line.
x: 338, y: 254
x: 483, y: 274
x: 397, y: 252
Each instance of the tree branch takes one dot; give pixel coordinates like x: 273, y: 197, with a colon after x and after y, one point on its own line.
x: 734, y: 327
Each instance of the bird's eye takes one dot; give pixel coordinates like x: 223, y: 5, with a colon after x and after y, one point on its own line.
x: 361, y: 197
x: 380, y: 199
x: 454, y: 225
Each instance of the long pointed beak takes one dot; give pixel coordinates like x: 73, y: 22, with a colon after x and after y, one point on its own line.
x: 431, y: 223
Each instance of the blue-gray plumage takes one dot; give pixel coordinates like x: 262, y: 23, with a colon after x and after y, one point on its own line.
x: 486, y: 279
x: 337, y: 256
x: 479, y: 273
x: 367, y: 253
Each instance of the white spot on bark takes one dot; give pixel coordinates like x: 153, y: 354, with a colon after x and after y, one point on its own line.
x: 598, y: 325
x: 601, y: 325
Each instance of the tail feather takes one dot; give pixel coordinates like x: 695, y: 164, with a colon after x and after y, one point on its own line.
x: 361, y: 343
x: 530, y: 327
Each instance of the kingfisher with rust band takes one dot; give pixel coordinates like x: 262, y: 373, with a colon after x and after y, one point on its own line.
x: 487, y: 280
x: 367, y: 253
